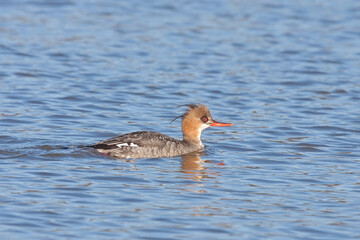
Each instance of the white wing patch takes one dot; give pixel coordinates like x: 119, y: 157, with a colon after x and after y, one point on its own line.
x: 127, y: 145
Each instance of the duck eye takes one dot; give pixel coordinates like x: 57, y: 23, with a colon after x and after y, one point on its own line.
x: 204, y: 119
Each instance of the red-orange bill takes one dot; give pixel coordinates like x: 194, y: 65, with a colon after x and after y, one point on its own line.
x: 219, y: 124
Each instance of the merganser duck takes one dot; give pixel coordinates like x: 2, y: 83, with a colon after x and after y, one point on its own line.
x: 148, y: 144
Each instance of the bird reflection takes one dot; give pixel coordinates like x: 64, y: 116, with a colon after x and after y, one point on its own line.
x: 192, y: 166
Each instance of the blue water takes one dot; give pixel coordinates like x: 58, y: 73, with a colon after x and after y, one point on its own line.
x: 286, y: 73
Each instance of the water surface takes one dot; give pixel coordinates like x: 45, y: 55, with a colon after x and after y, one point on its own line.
x: 76, y: 72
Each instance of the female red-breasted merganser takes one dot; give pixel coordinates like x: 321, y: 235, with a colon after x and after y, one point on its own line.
x: 147, y: 144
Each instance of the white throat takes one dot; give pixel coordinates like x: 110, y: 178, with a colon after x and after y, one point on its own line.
x: 202, y: 127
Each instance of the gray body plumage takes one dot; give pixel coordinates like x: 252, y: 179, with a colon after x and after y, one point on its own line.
x: 145, y: 144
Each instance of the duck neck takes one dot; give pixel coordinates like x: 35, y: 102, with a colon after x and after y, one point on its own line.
x: 192, y: 140
x: 191, y: 134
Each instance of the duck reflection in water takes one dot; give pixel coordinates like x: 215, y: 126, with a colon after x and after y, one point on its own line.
x: 194, y: 167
